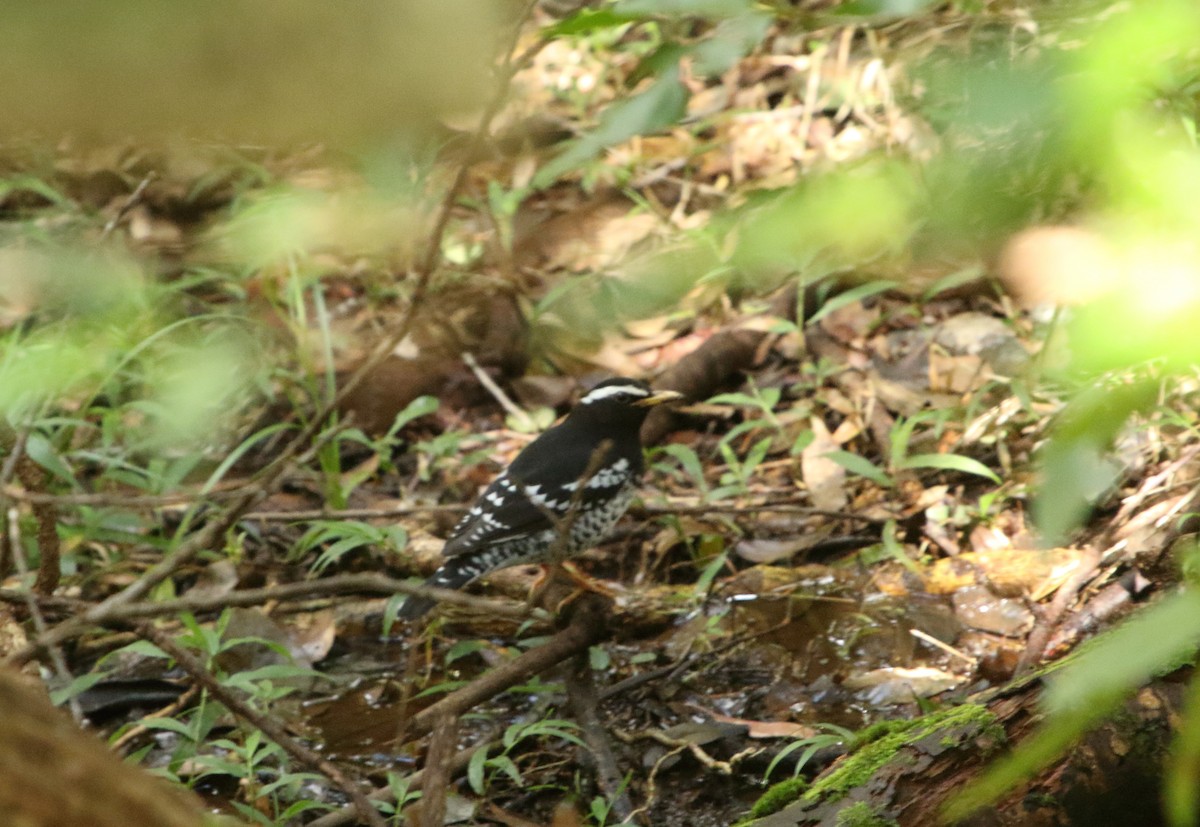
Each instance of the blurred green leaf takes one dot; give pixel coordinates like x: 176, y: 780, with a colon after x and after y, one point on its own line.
x: 855, y: 294
x: 949, y: 462
x: 662, y: 105
x: 1075, y: 464
x: 861, y: 466
x: 1158, y: 639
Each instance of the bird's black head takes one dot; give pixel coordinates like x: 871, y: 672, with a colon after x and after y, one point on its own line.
x: 622, y: 402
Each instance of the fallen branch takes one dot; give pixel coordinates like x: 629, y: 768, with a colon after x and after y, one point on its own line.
x: 583, y: 701
x: 191, y: 664
x: 586, y: 627
x: 348, y: 584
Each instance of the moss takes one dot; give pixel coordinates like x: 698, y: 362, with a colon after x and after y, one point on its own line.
x: 778, y: 796
x: 879, y: 745
x: 881, y: 742
x: 860, y: 814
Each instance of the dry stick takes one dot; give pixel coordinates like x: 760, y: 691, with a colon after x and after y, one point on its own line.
x: 498, y: 393
x: 782, y: 507
x: 456, y: 766
x: 128, y: 204
x: 351, y: 513
x: 587, y: 627
x: 39, y: 620
x: 581, y: 696
x: 123, y: 500
x: 33, y: 477
x: 437, y: 771
x: 348, y: 584
x: 192, y: 665
x: 204, y: 538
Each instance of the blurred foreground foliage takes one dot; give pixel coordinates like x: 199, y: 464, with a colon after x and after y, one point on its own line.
x: 1088, y: 117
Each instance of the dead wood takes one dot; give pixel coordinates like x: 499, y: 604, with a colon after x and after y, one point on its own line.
x: 53, y: 775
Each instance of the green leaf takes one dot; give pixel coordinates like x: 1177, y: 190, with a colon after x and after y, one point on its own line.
x: 861, y: 466
x: 662, y: 105
x: 598, y: 658
x: 689, y: 461
x: 1155, y: 641
x: 419, y: 407
x: 949, y: 462
x: 475, y: 769
x: 464, y: 648
x: 39, y: 449
x: 955, y: 279
x: 1076, y: 468
x: 728, y: 42
x: 685, y: 8
x: 75, y: 687
x: 884, y: 8
x: 1159, y: 638
x: 856, y: 294
x: 586, y: 21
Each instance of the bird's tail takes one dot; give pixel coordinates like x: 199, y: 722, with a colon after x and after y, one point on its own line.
x: 453, y: 574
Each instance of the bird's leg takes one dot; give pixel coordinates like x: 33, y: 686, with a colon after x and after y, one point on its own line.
x: 586, y: 582
x: 563, y: 583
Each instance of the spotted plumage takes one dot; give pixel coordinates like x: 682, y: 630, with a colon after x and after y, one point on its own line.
x: 517, y: 517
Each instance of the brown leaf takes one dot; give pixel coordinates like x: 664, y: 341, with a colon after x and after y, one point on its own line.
x: 824, y: 478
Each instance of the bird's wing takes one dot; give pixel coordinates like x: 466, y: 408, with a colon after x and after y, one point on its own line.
x: 515, y: 506
x: 503, y: 512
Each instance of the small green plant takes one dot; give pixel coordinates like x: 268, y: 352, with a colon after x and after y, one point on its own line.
x: 336, y: 538
x: 830, y: 735
x: 901, y: 436
x: 483, y: 767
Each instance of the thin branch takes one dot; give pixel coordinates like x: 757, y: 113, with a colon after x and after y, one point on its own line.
x: 581, y: 696
x: 352, y: 513
x: 498, y: 393
x: 587, y: 627
x: 348, y: 584
x: 128, y: 204
x: 192, y: 665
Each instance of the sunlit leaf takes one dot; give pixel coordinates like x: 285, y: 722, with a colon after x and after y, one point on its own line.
x: 663, y: 104
x: 949, y: 462
x: 856, y: 464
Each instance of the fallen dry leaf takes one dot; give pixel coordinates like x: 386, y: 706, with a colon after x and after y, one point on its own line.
x: 824, y: 479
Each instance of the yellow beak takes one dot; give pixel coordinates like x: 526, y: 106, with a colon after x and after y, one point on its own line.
x: 658, y: 398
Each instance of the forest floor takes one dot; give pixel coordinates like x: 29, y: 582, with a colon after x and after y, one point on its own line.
x: 834, y: 535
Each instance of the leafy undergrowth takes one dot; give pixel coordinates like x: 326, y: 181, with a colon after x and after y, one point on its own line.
x: 234, y: 381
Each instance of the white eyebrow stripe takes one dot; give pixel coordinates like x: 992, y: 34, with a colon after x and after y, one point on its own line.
x: 597, y: 394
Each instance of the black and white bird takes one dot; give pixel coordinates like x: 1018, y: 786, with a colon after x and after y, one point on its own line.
x: 517, y: 518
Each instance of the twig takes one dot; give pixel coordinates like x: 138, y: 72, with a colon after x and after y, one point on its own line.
x: 372, y: 584
x: 437, y: 773
x: 781, y: 507
x: 35, y: 612
x: 131, y: 734
x: 113, y: 499
x: 498, y: 393
x: 192, y: 665
x: 581, y: 695
x: 455, y: 767
x: 128, y: 204
x: 351, y: 513
x: 205, y: 538
x: 46, y: 515
x: 587, y: 627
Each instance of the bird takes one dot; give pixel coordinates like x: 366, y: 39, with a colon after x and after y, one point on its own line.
x: 578, y: 476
